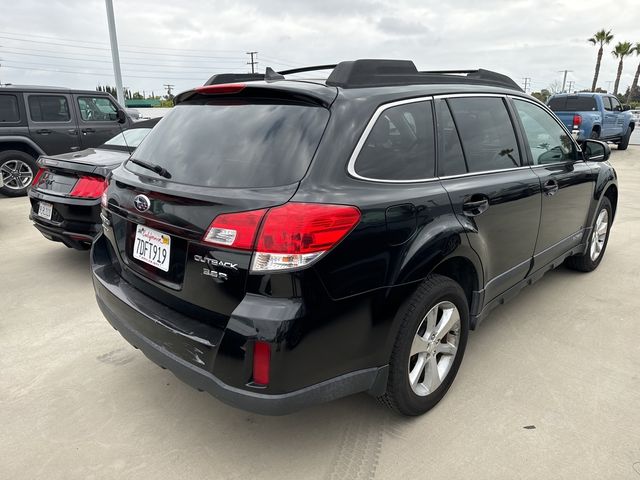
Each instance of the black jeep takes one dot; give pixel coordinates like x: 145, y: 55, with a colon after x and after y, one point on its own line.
x: 280, y: 242
x: 38, y: 121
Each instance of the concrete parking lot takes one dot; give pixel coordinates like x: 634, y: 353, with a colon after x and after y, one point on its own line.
x: 549, y: 388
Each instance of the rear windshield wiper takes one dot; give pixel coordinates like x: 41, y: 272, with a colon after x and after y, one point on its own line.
x: 163, y: 172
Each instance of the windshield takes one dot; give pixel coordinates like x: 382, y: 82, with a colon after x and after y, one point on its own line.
x: 128, y: 139
x: 234, y: 143
x: 572, y: 104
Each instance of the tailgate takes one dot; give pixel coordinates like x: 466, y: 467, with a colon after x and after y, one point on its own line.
x: 199, y: 277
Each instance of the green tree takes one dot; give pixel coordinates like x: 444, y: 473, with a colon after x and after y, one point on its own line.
x: 543, y: 95
x: 602, y: 38
x: 634, y: 85
x: 621, y: 50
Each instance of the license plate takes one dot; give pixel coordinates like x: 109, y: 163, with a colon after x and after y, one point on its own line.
x: 152, y: 247
x: 45, y: 210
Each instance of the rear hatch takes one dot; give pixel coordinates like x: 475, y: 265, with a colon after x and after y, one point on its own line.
x: 216, y: 154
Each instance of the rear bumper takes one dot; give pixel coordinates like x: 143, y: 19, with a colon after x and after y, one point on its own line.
x: 188, y: 348
x: 74, y: 222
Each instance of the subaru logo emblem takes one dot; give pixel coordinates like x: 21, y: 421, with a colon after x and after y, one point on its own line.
x: 142, y: 203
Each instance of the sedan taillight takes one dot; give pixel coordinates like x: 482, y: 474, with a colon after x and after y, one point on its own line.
x: 88, y: 187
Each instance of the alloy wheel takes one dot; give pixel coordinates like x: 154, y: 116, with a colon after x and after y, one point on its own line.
x: 16, y: 174
x: 599, y: 234
x: 434, y: 348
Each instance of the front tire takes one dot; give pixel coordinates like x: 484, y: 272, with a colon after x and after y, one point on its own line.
x: 624, y: 141
x: 598, y: 240
x: 429, y: 347
x: 17, y: 169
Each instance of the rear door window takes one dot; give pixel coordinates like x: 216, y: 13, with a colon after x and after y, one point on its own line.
x: 234, y: 143
x: 487, y: 134
x: 400, y: 146
x: 9, y: 112
x: 49, y: 108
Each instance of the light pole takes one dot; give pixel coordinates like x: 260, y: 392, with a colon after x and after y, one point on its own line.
x: 115, y: 56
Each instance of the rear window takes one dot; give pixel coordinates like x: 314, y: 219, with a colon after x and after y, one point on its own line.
x: 9, y: 109
x: 225, y: 144
x: 572, y: 104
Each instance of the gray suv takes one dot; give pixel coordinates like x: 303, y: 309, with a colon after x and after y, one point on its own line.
x: 38, y: 121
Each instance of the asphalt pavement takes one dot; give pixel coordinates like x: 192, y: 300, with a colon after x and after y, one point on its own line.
x: 549, y: 387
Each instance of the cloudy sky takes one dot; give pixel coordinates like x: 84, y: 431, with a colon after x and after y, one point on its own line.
x: 183, y: 42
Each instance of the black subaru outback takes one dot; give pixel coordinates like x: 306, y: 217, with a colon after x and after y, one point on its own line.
x: 281, y: 242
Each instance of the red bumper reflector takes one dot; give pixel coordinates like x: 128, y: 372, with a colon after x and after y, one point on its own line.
x: 261, y: 362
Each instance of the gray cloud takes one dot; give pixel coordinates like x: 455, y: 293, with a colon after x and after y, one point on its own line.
x: 185, y: 42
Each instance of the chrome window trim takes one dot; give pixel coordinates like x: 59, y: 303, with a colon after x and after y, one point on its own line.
x: 486, y: 172
x: 356, y: 151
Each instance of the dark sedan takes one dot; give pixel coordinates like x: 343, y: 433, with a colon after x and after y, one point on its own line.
x: 65, y: 194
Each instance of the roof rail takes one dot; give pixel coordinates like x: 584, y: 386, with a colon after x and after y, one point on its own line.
x: 307, y: 69
x: 378, y: 73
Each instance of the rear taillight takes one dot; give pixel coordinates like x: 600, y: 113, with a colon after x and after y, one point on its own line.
x: 88, y: 187
x: 103, y: 197
x: 291, y: 236
x: 261, y: 362
x: 38, y: 175
x: 296, y: 234
x: 577, y: 121
x: 235, y: 230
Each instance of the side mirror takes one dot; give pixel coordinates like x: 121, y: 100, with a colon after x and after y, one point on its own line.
x: 596, y: 151
x: 121, y: 117
x: 626, y: 108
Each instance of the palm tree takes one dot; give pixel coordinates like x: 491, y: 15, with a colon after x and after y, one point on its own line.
x: 602, y: 38
x: 634, y: 85
x: 622, y: 50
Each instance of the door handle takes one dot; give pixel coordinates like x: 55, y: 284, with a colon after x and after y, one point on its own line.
x: 88, y: 130
x: 550, y: 187
x: 475, y: 206
x: 72, y: 131
x: 43, y: 131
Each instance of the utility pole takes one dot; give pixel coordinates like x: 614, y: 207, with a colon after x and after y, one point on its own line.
x: 168, y: 86
x: 115, y: 56
x: 564, y: 79
x: 527, y: 84
x: 253, y: 62
x: 571, y: 82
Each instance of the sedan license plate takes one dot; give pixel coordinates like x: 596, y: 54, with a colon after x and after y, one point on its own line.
x: 45, y: 210
x: 152, y: 247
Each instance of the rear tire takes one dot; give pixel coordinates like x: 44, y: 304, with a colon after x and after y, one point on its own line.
x: 429, y: 347
x: 598, y: 240
x: 624, y: 141
x: 17, y: 169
